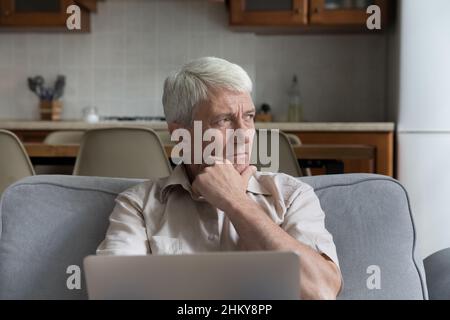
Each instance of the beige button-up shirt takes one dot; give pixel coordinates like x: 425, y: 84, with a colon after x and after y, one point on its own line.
x: 163, y: 217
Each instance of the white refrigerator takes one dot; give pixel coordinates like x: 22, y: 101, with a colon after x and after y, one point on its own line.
x: 423, y: 124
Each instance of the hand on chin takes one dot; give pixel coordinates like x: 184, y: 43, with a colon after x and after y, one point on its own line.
x: 240, y: 167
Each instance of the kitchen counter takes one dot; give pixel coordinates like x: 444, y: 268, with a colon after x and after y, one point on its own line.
x: 161, y: 125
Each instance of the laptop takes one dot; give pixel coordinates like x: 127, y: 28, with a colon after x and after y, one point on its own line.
x: 261, y: 275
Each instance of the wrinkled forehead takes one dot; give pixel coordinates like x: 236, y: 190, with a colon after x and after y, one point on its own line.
x: 225, y: 101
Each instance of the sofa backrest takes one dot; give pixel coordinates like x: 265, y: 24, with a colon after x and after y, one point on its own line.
x: 49, y: 223
x: 370, y: 219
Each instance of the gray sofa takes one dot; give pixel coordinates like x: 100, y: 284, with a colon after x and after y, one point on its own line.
x: 51, y: 222
x: 437, y: 267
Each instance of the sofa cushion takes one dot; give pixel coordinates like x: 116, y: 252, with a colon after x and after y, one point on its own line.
x: 51, y: 222
x: 48, y: 224
x: 370, y: 219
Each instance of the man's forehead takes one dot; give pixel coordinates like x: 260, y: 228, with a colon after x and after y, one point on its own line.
x: 231, y: 102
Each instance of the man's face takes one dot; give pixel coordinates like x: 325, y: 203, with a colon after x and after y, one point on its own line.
x: 227, y: 110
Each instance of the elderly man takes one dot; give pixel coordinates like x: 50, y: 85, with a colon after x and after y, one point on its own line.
x: 226, y: 205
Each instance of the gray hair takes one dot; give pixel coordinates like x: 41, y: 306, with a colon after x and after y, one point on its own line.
x: 192, y: 84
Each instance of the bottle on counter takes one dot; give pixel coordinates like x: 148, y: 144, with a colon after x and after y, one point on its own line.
x: 295, y: 110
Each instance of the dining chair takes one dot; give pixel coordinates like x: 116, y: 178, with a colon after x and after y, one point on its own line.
x: 287, y: 160
x: 69, y: 137
x: 14, y: 161
x: 123, y: 152
x: 64, y: 137
x: 295, y: 141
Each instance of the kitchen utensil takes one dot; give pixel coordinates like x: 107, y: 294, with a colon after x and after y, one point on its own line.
x: 36, y: 85
x: 39, y: 80
x: 58, y: 90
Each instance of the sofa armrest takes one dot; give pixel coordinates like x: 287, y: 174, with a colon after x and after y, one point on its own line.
x: 437, y: 270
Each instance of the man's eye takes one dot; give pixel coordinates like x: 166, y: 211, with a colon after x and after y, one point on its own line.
x: 249, y: 116
x: 223, y: 122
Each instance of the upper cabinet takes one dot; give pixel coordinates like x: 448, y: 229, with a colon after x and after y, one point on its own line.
x: 344, y: 12
x: 42, y: 14
x: 268, y: 12
x: 306, y: 15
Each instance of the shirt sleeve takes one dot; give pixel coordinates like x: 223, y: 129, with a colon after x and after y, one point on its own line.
x: 126, y: 234
x: 305, y: 221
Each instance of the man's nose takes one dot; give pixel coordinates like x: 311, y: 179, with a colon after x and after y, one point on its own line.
x: 239, y: 123
x: 243, y: 134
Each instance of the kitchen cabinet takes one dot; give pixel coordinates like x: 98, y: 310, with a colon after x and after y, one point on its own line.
x: 305, y: 15
x: 42, y: 14
x: 269, y: 12
x: 382, y: 141
x: 344, y: 12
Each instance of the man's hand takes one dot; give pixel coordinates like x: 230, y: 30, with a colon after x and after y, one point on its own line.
x: 224, y: 188
x: 221, y: 185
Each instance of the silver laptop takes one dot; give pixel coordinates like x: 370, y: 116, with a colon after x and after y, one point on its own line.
x: 258, y: 275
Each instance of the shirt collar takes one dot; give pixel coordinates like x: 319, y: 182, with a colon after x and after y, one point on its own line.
x: 255, y: 186
x: 179, y: 177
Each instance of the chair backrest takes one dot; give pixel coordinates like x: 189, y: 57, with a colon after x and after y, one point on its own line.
x: 64, y: 218
x: 165, y: 138
x: 295, y: 141
x: 14, y: 161
x: 122, y: 152
x: 287, y: 160
x: 64, y: 137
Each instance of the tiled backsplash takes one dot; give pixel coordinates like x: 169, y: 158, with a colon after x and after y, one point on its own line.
x: 120, y: 66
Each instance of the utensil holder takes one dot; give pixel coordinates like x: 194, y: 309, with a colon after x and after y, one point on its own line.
x: 50, y: 110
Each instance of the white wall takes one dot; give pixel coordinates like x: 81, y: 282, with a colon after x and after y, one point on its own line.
x: 425, y: 65
x: 120, y: 66
x: 424, y: 118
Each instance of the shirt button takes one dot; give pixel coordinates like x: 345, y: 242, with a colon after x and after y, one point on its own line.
x: 211, y: 237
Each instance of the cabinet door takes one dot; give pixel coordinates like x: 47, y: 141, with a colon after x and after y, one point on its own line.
x: 344, y: 12
x: 33, y: 13
x: 268, y: 12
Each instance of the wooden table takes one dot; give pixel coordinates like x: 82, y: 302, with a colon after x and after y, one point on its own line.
x: 66, y: 154
x: 42, y: 150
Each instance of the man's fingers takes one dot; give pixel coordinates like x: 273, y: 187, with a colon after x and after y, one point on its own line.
x: 248, y: 172
x: 195, y: 187
x: 212, y: 160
